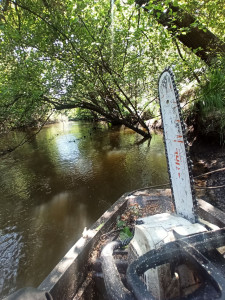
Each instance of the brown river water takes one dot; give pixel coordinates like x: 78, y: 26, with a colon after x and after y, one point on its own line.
x: 59, y: 183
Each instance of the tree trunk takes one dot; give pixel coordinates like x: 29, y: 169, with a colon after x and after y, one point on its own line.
x: 200, y: 40
x: 109, y: 116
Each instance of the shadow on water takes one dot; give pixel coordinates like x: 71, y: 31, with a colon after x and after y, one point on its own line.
x: 59, y: 183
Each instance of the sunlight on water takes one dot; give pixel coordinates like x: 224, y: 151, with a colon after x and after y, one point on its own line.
x: 59, y: 183
x: 67, y: 148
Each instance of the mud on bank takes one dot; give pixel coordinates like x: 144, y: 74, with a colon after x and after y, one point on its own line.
x: 209, y: 156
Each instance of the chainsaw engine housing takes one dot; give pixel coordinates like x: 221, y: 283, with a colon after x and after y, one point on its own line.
x: 153, y: 232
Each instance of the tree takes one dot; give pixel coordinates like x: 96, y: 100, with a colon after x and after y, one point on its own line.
x: 88, y: 55
x: 187, y: 28
x: 60, y: 54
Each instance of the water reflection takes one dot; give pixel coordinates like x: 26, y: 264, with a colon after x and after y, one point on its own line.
x: 59, y: 183
x: 60, y: 209
x: 11, y: 245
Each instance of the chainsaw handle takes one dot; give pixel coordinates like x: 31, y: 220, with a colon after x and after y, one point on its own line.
x: 175, y: 252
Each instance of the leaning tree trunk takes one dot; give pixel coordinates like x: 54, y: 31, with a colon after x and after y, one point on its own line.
x: 206, y: 45
x: 109, y: 116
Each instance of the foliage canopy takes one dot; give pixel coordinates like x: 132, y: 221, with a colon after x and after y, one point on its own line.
x: 94, y: 55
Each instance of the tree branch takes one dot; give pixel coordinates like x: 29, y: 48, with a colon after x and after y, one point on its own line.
x: 198, y: 38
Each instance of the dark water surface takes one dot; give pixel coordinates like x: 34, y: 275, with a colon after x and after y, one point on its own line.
x: 60, y: 182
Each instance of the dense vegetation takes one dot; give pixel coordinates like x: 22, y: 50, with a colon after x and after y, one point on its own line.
x: 103, y: 59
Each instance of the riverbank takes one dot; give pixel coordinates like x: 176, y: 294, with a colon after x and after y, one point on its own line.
x: 208, y: 157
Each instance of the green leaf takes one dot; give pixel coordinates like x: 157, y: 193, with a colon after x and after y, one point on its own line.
x: 125, y: 233
x: 120, y: 224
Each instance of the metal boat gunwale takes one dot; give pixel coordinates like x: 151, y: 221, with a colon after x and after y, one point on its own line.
x: 69, y: 278
x: 69, y: 274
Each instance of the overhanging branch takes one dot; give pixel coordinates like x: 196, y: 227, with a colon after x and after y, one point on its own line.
x: 199, y: 39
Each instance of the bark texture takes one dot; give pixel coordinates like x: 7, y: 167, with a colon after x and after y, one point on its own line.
x: 202, y: 41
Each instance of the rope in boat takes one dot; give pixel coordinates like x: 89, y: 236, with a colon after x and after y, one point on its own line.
x: 197, y: 187
x: 209, y: 187
x: 218, y: 170
x: 167, y: 184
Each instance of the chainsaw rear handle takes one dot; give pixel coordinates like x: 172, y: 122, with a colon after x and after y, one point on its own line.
x: 179, y: 252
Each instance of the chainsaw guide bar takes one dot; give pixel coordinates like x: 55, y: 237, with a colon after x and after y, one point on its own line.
x: 179, y: 164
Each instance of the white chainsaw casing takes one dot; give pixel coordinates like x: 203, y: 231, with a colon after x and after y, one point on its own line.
x: 155, y: 231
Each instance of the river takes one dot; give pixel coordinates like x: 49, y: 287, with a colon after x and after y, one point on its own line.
x: 60, y: 182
